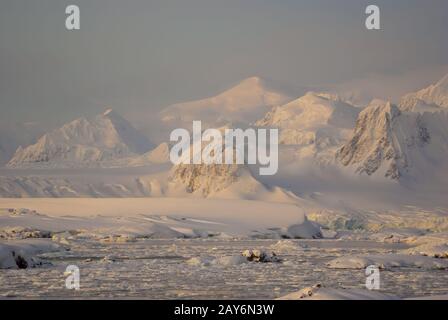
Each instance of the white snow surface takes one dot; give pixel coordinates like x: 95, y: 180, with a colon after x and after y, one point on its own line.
x: 319, y: 292
x: 161, y: 217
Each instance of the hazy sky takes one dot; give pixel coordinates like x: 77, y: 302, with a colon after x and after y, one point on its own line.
x: 140, y: 55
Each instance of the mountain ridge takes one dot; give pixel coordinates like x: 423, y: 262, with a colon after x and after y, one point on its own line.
x: 431, y: 98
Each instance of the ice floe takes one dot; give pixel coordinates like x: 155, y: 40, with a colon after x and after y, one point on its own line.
x: 318, y: 292
x: 23, y: 254
x: 387, y: 261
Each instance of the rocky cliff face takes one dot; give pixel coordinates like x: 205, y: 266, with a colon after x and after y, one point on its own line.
x: 206, y: 179
x: 393, y: 143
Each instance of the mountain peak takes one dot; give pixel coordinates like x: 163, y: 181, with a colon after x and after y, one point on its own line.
x: 315, y: 124
x: 108, y: 111
x: 392, y: 143
x: 252, y: 80
x: 243, y: 103
x: 105, y: 137
x: 379, y: 107
x: 250, y: 85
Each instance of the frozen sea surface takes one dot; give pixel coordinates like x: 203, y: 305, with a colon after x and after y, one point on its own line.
x: 157, y: 269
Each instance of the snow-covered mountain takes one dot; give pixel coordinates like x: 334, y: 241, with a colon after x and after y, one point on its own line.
x: 392, y: 143
x: 431, y: 98
x: 232, y: 181
x: 83, y: 142
x: 316, y: 123
x: 224, y: 181
x: 317, y: 128
x: 244, y: 103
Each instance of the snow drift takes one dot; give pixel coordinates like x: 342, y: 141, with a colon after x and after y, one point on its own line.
x: 22, y: 254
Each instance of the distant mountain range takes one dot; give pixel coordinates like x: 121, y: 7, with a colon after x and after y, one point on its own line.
x: 381, y: 139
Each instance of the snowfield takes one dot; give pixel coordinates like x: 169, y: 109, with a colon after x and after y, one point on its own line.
x: 161, y: 217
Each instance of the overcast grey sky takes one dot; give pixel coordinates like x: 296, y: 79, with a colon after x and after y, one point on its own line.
x: 140, y: 55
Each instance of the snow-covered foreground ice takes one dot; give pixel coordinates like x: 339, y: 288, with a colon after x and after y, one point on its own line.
x: 158, y: 269
x: 204, y: 248
x: 317, y: 292
x: 388, y: 261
